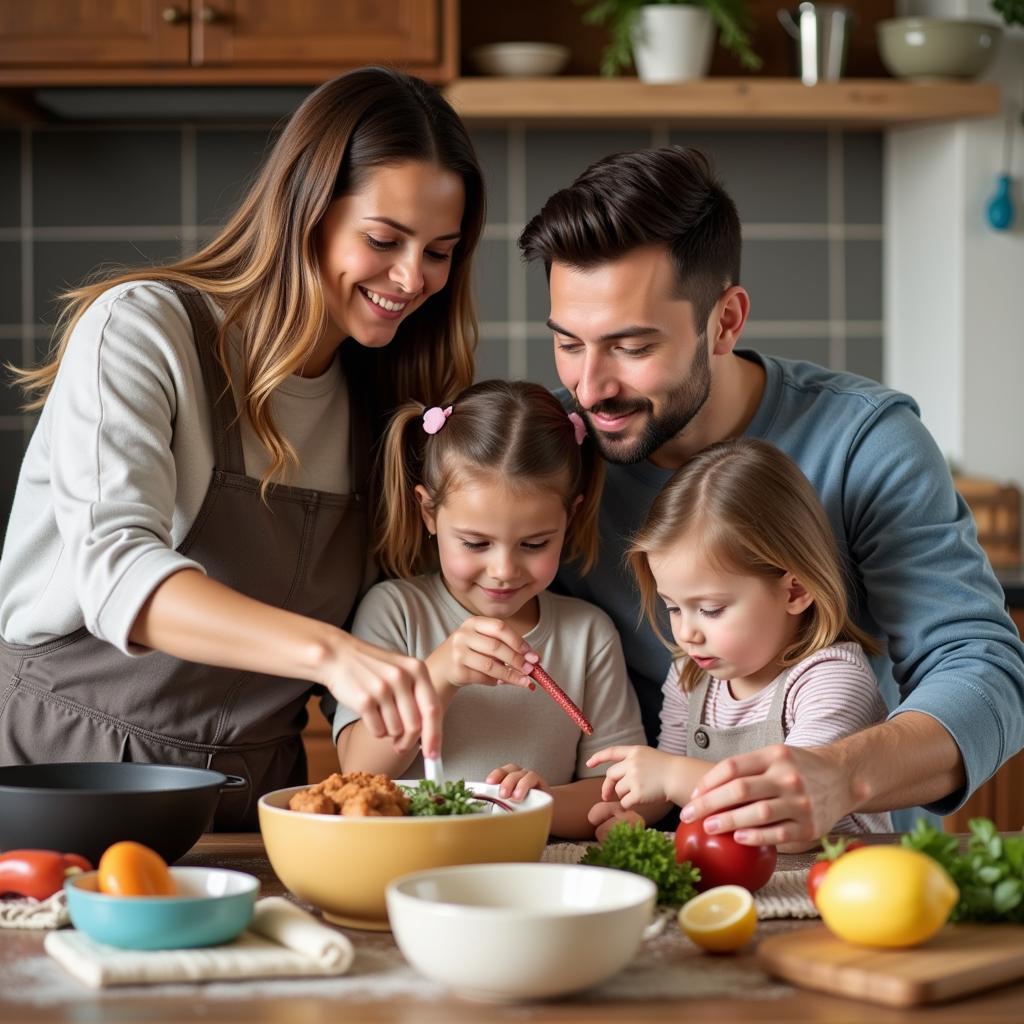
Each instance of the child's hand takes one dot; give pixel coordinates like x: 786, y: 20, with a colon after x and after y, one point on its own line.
x: 516, y: 782
x: 484, y: 651
x: 606, y: 815
x: 638, y: 775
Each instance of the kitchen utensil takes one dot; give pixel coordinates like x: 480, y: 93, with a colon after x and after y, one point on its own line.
x: 929, y: 48
x: 342, y: 864
x: 1000, y: 209
x: 433, y: 768
x: 520, y: 931
x: 85, y: 807
x: 517, y: 60
x: 961, y: 959
x: 821, y: 36
x: 213, y: 905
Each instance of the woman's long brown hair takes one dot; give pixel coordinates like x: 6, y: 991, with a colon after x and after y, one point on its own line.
x: 262, y: 269
x: 755, y: 514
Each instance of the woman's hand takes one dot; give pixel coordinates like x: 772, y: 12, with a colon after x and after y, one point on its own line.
x: 778, y: 794
x: 516, y: 781
x: 392, y: 693
x: 604, y: 816
x: 638, y: 775
x: 483, y: 651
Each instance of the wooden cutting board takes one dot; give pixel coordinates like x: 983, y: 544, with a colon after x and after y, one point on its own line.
x: 961, y: 959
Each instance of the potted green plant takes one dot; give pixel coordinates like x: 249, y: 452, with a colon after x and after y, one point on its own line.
x: 671, y: 40
x: 1011, y: 10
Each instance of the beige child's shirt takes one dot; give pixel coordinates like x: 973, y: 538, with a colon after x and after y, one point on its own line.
x: 489, y: 726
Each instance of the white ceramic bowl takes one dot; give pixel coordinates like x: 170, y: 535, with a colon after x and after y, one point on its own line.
x: 502, y: 932
x: 519, y: 60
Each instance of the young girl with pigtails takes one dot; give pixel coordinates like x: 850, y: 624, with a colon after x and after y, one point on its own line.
x: 482, y: 499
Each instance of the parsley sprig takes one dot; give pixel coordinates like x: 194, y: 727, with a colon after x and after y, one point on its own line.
x: 428, y: 798
x: 990, y: 874
x: 646, y: 851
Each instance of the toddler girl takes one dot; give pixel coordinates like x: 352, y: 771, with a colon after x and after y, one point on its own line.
x: 740, y: 551
x: 481, y: 498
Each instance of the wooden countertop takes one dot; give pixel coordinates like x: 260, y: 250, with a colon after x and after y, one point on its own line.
x: 724, y: 989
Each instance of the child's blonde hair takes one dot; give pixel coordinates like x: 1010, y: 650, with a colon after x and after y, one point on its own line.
x: 755, y: 514
x: 514, y: 430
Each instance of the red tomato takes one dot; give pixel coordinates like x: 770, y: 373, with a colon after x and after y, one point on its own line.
x: 831, y: 853
x: 721, y: 860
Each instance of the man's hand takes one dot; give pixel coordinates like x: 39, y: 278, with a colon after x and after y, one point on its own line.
x: 774, y: 795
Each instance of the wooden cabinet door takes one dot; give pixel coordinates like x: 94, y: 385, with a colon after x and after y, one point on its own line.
x: 94, y: 32
x: 336, y: 33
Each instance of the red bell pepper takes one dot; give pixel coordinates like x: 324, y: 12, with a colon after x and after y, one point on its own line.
x: 38, y: 873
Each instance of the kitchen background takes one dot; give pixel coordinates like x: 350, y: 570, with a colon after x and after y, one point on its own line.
x: 75, y: 198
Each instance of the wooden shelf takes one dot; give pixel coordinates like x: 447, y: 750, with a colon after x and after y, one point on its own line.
x: 724, y: 102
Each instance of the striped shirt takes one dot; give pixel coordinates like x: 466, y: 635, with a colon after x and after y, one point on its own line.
x: 830, y: 694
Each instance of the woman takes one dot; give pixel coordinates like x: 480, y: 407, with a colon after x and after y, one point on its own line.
x: 195, y: 489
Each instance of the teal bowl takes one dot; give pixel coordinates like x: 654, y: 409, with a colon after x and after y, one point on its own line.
x: 212, y: 906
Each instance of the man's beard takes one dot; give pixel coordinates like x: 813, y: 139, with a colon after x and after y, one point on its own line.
x: 681, y: 405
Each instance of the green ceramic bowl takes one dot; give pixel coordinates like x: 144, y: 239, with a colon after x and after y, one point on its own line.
x: 212, y: 906
x: 936, y: 48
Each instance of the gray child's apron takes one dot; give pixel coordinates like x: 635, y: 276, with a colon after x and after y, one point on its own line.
x: 79, y: 698
x: 708, y: 743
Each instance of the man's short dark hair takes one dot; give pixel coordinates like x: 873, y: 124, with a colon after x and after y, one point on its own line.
x: 668, y: 196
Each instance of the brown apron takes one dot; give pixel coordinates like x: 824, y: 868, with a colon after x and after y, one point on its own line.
x: 711, y: 743
x: 79, y: 698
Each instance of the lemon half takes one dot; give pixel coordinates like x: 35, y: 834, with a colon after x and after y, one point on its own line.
x: 720, y: 920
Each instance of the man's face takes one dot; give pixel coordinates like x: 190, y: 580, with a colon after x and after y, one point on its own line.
x: 628, y: 350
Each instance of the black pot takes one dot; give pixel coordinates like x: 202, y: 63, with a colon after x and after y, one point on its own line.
x: 85, y: 807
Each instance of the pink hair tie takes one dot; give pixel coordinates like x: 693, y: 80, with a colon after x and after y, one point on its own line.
x: 579, y: 426
x: 434, y: 419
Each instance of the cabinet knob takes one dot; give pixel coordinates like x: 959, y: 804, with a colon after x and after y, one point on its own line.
x: 211, y: 14
x: 172, y: 15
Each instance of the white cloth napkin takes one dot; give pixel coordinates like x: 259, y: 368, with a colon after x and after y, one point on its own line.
x: 28, y: 913
x: 783, y: 895
x: 281, y: 941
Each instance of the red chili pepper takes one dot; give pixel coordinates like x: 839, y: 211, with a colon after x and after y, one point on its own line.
x: 561, y: 698
x: 38, y: 873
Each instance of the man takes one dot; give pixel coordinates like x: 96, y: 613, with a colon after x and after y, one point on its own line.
x: 643, y: 257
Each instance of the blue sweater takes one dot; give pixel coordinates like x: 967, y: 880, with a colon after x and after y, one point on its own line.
x: 920, y: 581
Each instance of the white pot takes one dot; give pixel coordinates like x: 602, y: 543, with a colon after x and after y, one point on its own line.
x: 673, y: 43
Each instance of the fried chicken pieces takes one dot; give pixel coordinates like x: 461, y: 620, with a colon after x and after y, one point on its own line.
x: 354, y: 794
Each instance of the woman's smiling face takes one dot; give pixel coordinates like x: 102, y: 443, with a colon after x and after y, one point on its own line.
x: 385, y: 249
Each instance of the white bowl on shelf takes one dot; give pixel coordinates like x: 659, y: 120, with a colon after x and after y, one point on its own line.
x: 520, y: 60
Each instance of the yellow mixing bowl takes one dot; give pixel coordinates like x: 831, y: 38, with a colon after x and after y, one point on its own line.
x: 342, y: 865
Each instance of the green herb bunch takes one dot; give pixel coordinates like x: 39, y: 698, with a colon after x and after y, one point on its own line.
x: 731, y: 17
x: 990, y: 874
x: 646, y: 851
x: 1011, y: 10
x: 428, y: 798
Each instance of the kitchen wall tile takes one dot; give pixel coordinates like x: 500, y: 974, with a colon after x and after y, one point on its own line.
x: 226, y: 164
x: 787, y: 280
x: 864, y: 356
x: 554, y: 158
x: 10, y: 179
x: 771, y: 181
x: 862, y: 177
x: 87, y: 177
x: 62, y: 265
x: 808, y: 350
x: 492, y: 359
x: 492, y: 152
x: 10, y: 283
x: 863, y: 280
x: 490, y: 280
x: 12, y: 449
x: 10, y: 396
x: 540, y: 362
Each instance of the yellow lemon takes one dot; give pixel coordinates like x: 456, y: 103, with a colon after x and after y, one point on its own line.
x: 721, y: 919
x: 886, y: 896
